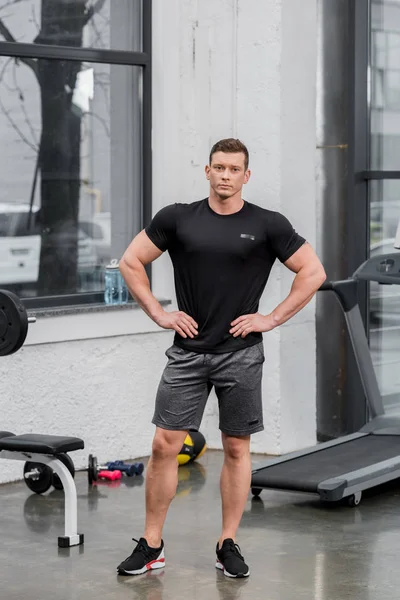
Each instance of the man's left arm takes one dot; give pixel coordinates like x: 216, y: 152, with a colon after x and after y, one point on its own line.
x: 310, y: 275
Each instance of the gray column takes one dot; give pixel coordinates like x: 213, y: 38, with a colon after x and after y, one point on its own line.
x: 332, y: 173
x: 125, y: 130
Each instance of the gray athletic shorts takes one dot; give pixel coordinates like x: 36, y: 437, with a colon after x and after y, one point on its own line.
x: 188, y: 379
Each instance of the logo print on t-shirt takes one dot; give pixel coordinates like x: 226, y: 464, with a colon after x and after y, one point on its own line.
x: 247, y: 236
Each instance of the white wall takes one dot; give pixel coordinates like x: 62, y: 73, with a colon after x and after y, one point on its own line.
x: 245, y: 69
x: 99, y: 389
x: 298, y: 203
x: 227, y: 68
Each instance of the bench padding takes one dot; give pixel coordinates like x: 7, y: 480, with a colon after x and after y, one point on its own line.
x: 41, y: 444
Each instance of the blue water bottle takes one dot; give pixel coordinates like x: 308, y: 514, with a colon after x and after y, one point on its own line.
x: 115, y: 290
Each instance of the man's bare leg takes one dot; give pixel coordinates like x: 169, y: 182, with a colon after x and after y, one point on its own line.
x: 161, y: 481
x: 235, y: 483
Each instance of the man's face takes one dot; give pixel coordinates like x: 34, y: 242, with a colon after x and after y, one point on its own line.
x: 227, y: 174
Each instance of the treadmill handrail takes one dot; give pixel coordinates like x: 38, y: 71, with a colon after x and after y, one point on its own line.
x: 346, y: 293
x: 345, y: 290
x: 327, y: 285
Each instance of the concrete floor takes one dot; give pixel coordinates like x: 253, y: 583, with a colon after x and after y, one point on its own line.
x: 295, y: 547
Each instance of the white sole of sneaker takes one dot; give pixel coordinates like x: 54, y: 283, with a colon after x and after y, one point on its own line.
x: 155, y: 564
x: 220, y: 566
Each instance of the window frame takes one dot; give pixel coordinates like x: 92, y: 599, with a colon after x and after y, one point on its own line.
x: 360, y: 175
x: 141, y: 59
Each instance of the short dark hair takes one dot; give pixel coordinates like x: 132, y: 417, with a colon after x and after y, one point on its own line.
x: 231, y: 145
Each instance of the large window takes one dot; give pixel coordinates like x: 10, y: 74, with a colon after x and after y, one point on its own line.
x: 384, y: 189
x: 75, y: 143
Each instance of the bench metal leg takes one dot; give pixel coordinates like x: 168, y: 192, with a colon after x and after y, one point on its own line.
x: 71, y: 537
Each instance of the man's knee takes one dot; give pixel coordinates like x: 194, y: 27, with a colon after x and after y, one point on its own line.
x: 167, y: 444
x: 236, y: 448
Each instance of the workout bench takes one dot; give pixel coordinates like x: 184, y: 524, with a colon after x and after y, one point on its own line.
x: 45, y: 449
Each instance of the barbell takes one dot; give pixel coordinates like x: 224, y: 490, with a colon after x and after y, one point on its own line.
x: 14, y: 322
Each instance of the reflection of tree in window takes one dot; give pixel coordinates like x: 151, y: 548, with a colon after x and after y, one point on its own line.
x: 62, y: 86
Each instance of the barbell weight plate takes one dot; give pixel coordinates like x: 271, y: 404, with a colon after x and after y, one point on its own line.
x: 41, y: 482
x: 13, y: 323
x: 68, y: 462
x: 92, y: 469
x: 95, y: 469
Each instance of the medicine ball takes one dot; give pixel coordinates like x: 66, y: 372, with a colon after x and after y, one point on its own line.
x: 199, y: 443
x: 193, y: 447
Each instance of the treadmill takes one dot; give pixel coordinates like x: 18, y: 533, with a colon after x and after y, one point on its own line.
x: 339, y: 470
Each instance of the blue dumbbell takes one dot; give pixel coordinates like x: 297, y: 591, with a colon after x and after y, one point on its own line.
x: 130, y: 470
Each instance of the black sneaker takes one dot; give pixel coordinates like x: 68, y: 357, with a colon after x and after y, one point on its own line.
x: 142, y: 559
x: 230, y: 561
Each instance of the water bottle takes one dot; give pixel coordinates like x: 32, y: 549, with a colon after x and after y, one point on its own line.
x: 115, y: 290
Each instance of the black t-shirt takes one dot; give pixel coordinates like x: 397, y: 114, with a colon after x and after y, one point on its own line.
x: 221, y: 265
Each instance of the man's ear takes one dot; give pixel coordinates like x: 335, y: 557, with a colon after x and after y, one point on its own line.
x: 207, y: 171
x: 247, y: 175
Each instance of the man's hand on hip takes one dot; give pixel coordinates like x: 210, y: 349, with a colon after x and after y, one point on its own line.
x: 245, y: 324
x: 179, y: 321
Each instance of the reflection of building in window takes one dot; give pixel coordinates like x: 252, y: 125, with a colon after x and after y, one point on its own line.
x: 385, y: 84
x: 385, y: 69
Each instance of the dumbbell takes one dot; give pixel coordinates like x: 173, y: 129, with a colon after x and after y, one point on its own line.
x: 108, y: 471
x: 129, y: 469
x: 110, y: 475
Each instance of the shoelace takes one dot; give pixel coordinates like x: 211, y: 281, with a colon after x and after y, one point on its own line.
x: 141, y: 548
x: 235, y: 549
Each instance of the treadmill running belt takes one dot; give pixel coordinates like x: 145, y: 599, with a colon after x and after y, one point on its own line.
x: 305, y: 473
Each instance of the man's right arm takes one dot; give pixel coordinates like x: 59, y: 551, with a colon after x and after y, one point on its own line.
x: 139, y: 253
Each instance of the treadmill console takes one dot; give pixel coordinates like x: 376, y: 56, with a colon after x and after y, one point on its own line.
x: 383, y: 269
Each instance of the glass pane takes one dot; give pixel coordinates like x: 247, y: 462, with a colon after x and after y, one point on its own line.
x: 385, y: 299
x: 106, y: 24
x: 385, y: 85
x: 70, y: 169
x: 378, y: 54
x: 392, y: 91
x: 377, y: 92
x: 393, y: 50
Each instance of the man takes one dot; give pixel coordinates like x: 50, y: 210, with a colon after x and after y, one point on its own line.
x: 222, y: 249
